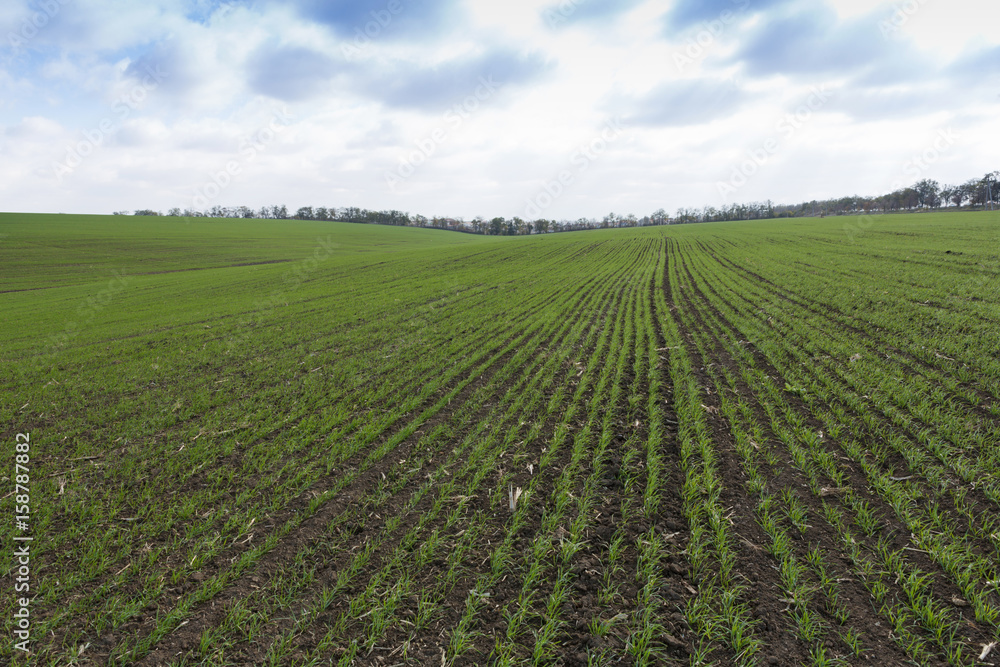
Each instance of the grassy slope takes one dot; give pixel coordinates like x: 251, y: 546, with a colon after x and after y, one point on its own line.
x: 198, y: 330
x: 61, y: 286
x: 89, y: 276
x: 55, y: 250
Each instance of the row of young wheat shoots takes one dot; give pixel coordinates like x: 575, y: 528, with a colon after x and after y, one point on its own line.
x: 800, y: 443
x: 860, y: 279
x: 401, y: 366
x: 462, y: 635
x: 892, y: 321
x: 932, y: 531
x: 939, y: 388
x: 417, y: 467
x: 544, y: 556
x: 570, y: 545
x: 514, y: 365
x: 907, y: 640
x: 748, y: 435
x: 646, y: 641
x: 255, y: 387
x: 187, y: 342
x: 188, y: 467
x: 400, y: 564
x: 194, y: 447
x: 935, y: 620
x: 230, y: 632
x: 634, y: 553
x: 717, y: 613
x: 808, y: 623
x: 46, y: 517
x: 183, y: 330
x: 948, y: 382
x: 656, y: 399
x: 511, y: 366
x: 543, y: 551
x: 888, y: 571
x: 792, y: 369
x: 908, y: 411
x: 797, y: 592
x: 937, y: 431
x: 611, y: 421
x: 88, y: 603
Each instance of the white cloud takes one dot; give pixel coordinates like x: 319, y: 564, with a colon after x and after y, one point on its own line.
x: 227, y: 68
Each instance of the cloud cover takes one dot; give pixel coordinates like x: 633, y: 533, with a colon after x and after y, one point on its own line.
x: 108, y: 105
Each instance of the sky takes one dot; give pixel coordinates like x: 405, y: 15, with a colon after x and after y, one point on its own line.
x: 530, y: 108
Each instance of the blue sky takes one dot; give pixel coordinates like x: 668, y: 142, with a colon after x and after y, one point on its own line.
x: 529, y: 108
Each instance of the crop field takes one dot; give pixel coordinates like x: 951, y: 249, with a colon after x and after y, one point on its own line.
x: 303, y: 443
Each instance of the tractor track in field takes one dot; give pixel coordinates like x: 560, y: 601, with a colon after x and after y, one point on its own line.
x: 209, y: 268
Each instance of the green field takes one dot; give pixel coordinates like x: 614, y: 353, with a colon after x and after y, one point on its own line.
x: 283, y: 442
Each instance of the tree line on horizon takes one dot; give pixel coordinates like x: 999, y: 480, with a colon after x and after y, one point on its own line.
x: 926, y: 194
